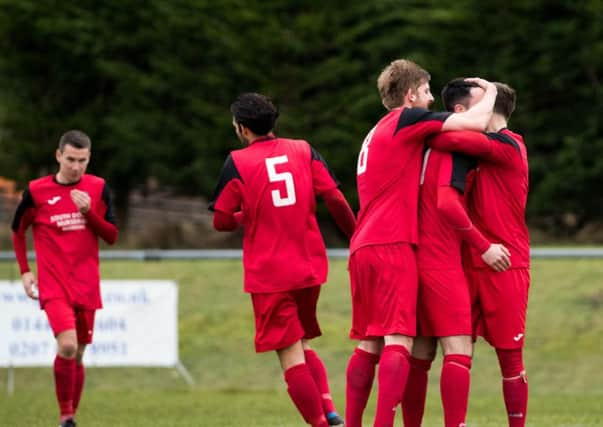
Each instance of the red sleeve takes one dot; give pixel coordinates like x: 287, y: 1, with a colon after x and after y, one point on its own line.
x: 323, y: 179
x: 101, y: 227
x: 494, y: 147
x: 225, y: 221
x: 340, y: 211
x: 24, y: 217
x: 451, y: 208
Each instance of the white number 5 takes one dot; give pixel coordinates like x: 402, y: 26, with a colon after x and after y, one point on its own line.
x: 274, y: 176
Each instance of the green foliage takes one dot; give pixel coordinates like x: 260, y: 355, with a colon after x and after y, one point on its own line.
x: 151, y: 81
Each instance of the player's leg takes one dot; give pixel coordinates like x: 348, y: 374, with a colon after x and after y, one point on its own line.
x: 278, y: 328
x: 504, y: 304
x: 300, y: 385
x: 320, y: 376
x: 394, y: 366
x: 360, y: 375
x: 413, y: 401
x: 307, y: 300
x: 360, y: 372
x: 396, y: 288
x: 61, y: 318
x: 455, y: 378
x: 85, y: 330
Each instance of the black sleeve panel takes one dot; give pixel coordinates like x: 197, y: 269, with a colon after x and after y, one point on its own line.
x: 461, y: 165
x: 316, y: 156
x: 228, y: 173
x: 412, y: 116
x: 26, y: 202
x: 503, y: 138
x: 109, y: 216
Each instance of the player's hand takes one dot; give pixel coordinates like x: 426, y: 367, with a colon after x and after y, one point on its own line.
x: 484, y: 84
x: 239, y: 217
x: 497, y: 257
x: 81, y: 200
x: 29, y: 284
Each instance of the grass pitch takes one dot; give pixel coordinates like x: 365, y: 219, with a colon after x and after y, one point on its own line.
x: 236, y: 387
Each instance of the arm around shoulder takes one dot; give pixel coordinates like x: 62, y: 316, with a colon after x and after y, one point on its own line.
x: 478, y: 116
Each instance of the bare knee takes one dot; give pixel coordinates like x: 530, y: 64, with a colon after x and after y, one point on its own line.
x: 371, y: 346
x: 291, y: 356
x: 459, y: 344
x: 67, y: 349
x: 67, y: 344
x: 424, y: 348
x: 397, y: 339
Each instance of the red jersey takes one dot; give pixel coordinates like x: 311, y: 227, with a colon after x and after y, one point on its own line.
x: 389, y: 166
x: 497, y: 201
x: 440, y: 237
x: 65, y: 240
x: 275, y: 181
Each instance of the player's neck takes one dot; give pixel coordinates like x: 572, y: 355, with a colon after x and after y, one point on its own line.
x: 496, y: 123
x: 64, y: 181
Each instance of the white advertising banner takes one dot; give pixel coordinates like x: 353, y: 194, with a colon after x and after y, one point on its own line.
x: 138, y: 326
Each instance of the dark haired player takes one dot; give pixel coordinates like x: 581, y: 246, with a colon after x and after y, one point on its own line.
x: 270, y: 187
x: 69, y: 211
x: 443, y: 305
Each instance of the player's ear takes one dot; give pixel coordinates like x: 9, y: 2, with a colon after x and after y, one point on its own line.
x: 411, y: 96
x: 458, y: 108
x: 58, y: 155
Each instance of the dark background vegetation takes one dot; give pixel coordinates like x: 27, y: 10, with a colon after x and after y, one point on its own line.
x: 151, y: 82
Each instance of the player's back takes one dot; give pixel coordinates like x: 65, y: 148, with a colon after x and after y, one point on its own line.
x: 498, y: 198
x: 282, y: 244
x: 389, y: 166
x: 439, y: 243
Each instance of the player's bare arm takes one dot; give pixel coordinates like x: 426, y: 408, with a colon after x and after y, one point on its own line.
x: 478, y: 116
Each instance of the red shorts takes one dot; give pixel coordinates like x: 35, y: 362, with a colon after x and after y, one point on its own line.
x: 62, y: 317
x: 444, y: 306
x: 384, y: 291
x: 499, y: 303
x: 283, y: 318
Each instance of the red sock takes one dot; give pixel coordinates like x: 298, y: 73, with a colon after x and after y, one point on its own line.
x: 454, y: 388
x: 515, y: 385
x: 80, y: 376
x: 64, y: 380
x: 359, y: 382
x: 393, y: 374
x: 305, y: 395
x: 319, y: 373
x: 413, y: 402
x: 515, y: 392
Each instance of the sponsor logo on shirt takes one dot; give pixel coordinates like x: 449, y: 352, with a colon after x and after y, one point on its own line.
x: 54, y: 200
x: 69, y: 221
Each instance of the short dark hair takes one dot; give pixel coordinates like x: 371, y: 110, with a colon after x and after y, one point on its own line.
x: 505, y: 100
x: 75, y: 138
x: 457, y: 91
x: 254, y: 111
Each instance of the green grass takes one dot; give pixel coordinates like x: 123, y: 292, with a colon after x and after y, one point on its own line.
x: 235, y: 386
